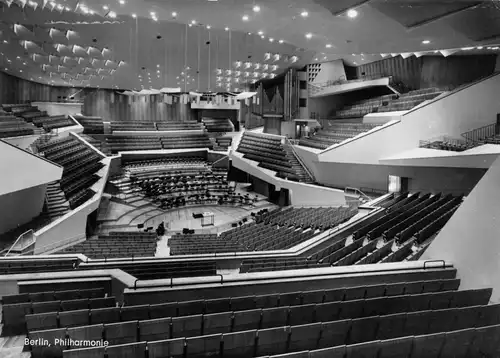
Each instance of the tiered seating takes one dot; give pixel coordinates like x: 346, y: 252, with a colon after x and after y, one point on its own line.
x: 411, y: 99
x: 405, y: 228
x: 11, y: 126
x: 18, y: 109
x: 117, y: 244
x: 217, y: 124
x: 340, y: 319
x: 174, y: 141
x: 80, y: 167
x: 268, y: 151
x: 362, y: 108
x: 223, y: 143
x: 91, y: 125
x: 52, y: 122
x: 179, y: 126
x: 200, y: 244
x: 278, y: 264
x: 153, y: 270
x: 32, y: 311
x: 334, y: 134
x: 280, y: 230
x: 30, y: 266
x: 133, y: 126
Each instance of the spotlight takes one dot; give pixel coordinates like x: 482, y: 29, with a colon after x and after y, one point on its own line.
x: 309, y: 35
x: 227, y: 29
x: 112, y: 14
x: 245, y: 18
x: 174, y: 14
x: 256, y: 8
x: 352, y: 13
x: 105, y: 7
x: 304, y: 14
x: 260, y: 33
x: 280, y: 41
x: 122, y: 2
x: 134, y: 16
x: 426, y: 42
x: 328, y: 45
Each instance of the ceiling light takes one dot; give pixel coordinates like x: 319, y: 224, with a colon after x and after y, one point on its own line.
x: 324, y: 58
x: 112, y: 14
x: 152, y: 13
x: 467, y: 48
x: 20, y: 70
x: 122, y: 2
x: 495, y: 48
x: 352, y: 13
x: 263, y: 37
x: 316, y: 59
x: 134, y: 16
x: 304, y: 14
x: 328, y: 45
x: 91, y: 12
x: 5, y: 42
x: 256, y: 8
x: 281, y: 41
x: 261, y: 33
x: 355, y: 62
x: 227, y: 29
x: 193, y: 22
x: 67, y: 8
x: 479, y: 47
x: 209, y: 27
x: 245, y: 18
x: 271, y: 39
x: 309, y: 35
x: 426, y: 42
x: 105, y: 7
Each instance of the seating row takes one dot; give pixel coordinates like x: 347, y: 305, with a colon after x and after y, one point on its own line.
x: 332, y: 328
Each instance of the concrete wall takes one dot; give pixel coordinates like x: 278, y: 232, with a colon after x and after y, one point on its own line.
x: 428, y: 179
x: 59, y: 109
x: 22, y: 142
x: 21, y: 207
x: 470, y: 238
x: 22, y: 169
x: 472, y: 107
x: 332, y: 70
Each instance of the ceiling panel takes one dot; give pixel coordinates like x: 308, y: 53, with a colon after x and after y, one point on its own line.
x: 417, y: 12
x: 482, y: 24
x: 337, y: 7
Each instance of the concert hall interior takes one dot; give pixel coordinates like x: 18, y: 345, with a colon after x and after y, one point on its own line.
x: 249, y: 178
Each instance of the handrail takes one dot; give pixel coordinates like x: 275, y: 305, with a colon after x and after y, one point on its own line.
x: 479, y: 134
x: 300, y: 160
x: 19, y: 238
x: 356, y: 190
x: 52, y: 245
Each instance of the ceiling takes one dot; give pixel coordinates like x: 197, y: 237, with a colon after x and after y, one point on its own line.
x: 192, y: 44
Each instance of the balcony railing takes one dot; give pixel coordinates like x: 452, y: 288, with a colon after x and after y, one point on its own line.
x: 478, y: 135
x: 448, y: 141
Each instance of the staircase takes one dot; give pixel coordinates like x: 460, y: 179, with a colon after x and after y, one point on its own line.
x: 298, y: 168
x: 57, y: 205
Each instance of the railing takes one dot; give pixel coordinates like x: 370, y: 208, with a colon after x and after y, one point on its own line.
x: 482, y: 133
x: 58, y: 244
x: 356, y: 191
x: 24, y: 240
x: 300, y: 160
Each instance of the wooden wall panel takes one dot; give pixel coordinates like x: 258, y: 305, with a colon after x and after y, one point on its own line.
x: 403, y: 70
x: 114, y: 107
x: 432, y: 71
x: 455, y: 71
x: 17, y: 90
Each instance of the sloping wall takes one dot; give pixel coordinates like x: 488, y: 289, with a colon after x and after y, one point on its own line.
x: 21, y: 207
x: 470, y: 239
x: 471, y: 107
x: 333, y: 70
x: 33, y: 171
x: 432, y: 71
